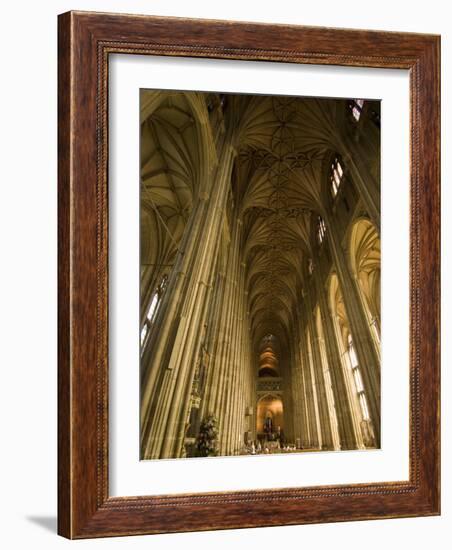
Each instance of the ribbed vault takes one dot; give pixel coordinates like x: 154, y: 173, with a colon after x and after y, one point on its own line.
x: 175, y: 155
x: 283, y: 144
x: 365, y: 255
x: 170, y: 157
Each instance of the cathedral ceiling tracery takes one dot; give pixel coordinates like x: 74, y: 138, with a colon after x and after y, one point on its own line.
x: 281, y: 143
x: 365, y: 254
x: 171, y: 155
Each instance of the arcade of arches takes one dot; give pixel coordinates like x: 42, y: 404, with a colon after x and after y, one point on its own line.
x: 260, y: 273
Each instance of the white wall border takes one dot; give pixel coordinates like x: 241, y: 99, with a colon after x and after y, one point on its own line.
x: 128, y: 475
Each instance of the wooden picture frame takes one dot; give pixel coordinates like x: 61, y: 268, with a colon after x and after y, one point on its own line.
x: 85, y: 508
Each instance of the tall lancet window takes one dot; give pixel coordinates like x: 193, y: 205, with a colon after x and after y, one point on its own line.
x: 321, y: 229
x: 356, y: 107
x: 152, y: 310
x: 357, y: 379
x: 336, y: 175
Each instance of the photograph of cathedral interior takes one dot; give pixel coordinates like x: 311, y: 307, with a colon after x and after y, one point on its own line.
x: 260, y: 274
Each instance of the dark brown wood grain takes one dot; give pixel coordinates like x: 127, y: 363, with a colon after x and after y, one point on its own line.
x: 64, y: 296
x: 85, y: 42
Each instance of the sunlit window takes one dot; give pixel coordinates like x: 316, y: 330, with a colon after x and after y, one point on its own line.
x: 352, y: 353
x: 152, y: 310
x: 358, y: 379
x: 336, y: 175
x: 375, y: 330
x: 356, y: 107
x: 363, y: 404
x: 321, y: 229
x: 144, y: 333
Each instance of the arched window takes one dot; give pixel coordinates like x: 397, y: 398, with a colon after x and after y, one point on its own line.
x: 336, y: 175
x: 356, y: 107
x: 357, y: 379
x: 321, y: 229
x: 327, y: 379
x: 152, y: 310
x: 365, y: 259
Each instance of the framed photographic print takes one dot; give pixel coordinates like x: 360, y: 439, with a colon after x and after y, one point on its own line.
x: 248, y: 275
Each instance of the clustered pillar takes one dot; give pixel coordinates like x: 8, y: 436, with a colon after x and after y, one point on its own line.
x: 173, y: 350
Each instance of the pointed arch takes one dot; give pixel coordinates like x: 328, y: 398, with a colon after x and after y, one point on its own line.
x: 365, y: 263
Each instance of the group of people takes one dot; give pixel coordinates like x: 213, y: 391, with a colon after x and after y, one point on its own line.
x: 268, y: 447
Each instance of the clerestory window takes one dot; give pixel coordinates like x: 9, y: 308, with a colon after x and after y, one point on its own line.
x: 321, y: 229
x: 358, y: 379
x: 152, y: 310
x: 336, y: 176
x: 356, y: 107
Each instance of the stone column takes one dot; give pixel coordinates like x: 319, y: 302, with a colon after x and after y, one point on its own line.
x: 232, y: 364
x: 310, y: 398
x: 212, y: 342
x: 231, y: 413
x: 222, y: 359
x: 250, y: 376
x: 367, y: 184
x: 175, y: 428
x: 347, y: 423
x: 214, y: 398
x: 299, y: 400
x: 238, y: 414
x: 156, y: 377
x: 185, y: 392
x: 368, y: 356
x: 171, y: 356
x: 290, y: 407
x: 324, y: 412
x: 300, y: 395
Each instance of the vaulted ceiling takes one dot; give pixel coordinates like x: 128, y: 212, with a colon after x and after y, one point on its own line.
x: 170, y: 159
x: 281, y: 145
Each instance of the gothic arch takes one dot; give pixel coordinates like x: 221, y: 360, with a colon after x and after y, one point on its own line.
x: 338, y: 312
x: 365, y: 261
x: 269, y: 404
x: 354, y: 385
x: 176, y: 157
